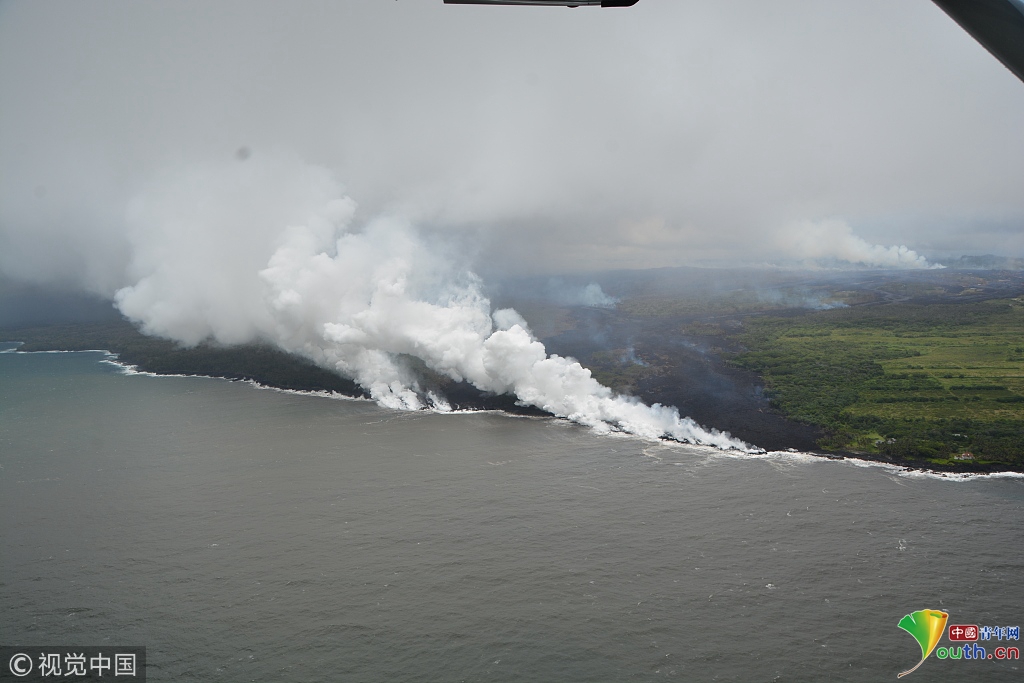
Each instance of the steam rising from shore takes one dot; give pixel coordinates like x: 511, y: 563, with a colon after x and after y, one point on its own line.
x: 265, y: 250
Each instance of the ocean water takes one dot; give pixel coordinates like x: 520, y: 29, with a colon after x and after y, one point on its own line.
x: 244, y: 534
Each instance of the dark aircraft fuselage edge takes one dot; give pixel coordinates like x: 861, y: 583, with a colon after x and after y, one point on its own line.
x: 997, y: 24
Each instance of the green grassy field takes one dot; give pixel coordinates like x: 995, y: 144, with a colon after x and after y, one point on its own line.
x: 926, y: 381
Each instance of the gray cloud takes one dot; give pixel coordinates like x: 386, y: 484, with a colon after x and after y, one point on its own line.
x: 548, y: 139
x: 195, y: 162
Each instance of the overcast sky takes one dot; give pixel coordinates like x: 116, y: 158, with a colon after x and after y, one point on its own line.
x: 545, y: 139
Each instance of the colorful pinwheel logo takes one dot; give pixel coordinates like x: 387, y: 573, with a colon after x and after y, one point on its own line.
x: 927, y: 626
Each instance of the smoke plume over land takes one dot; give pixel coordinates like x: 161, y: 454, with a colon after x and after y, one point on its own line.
x: 270, y: 250
x: 185, y: 161
x: 833, y: 241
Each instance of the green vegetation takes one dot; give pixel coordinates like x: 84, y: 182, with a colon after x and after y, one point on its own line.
x: 908, y: 381
x: 736, y: 302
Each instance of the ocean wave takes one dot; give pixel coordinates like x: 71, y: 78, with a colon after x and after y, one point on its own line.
x: 103, y: 351
x: 133, y: 370
x: 441, y: 407
x: 299, y: 392
x: 802, y: 457
x: 924, y: 473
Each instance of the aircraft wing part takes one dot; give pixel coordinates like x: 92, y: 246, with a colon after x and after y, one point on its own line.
x: 996, y: 24
x: 549, y: 3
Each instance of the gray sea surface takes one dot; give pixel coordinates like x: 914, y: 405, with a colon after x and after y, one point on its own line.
x: 244, y: 534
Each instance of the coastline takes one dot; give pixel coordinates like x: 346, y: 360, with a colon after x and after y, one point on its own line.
x: 260, y: 364
x: 265, y: 367
x: 968, y: 467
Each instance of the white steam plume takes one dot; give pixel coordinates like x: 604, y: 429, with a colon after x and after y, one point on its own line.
x: 268, y: 250
x: 834, y: 240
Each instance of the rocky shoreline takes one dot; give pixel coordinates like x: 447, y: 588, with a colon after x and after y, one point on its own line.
x: 701, y: 385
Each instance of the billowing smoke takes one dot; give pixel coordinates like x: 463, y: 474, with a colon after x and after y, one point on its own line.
x: 833, y: 240
x: 272, y: 250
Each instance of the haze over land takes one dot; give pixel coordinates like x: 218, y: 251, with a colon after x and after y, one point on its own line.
x: 786, y: 234
x: 335, y: 178
x: 544, y: 139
